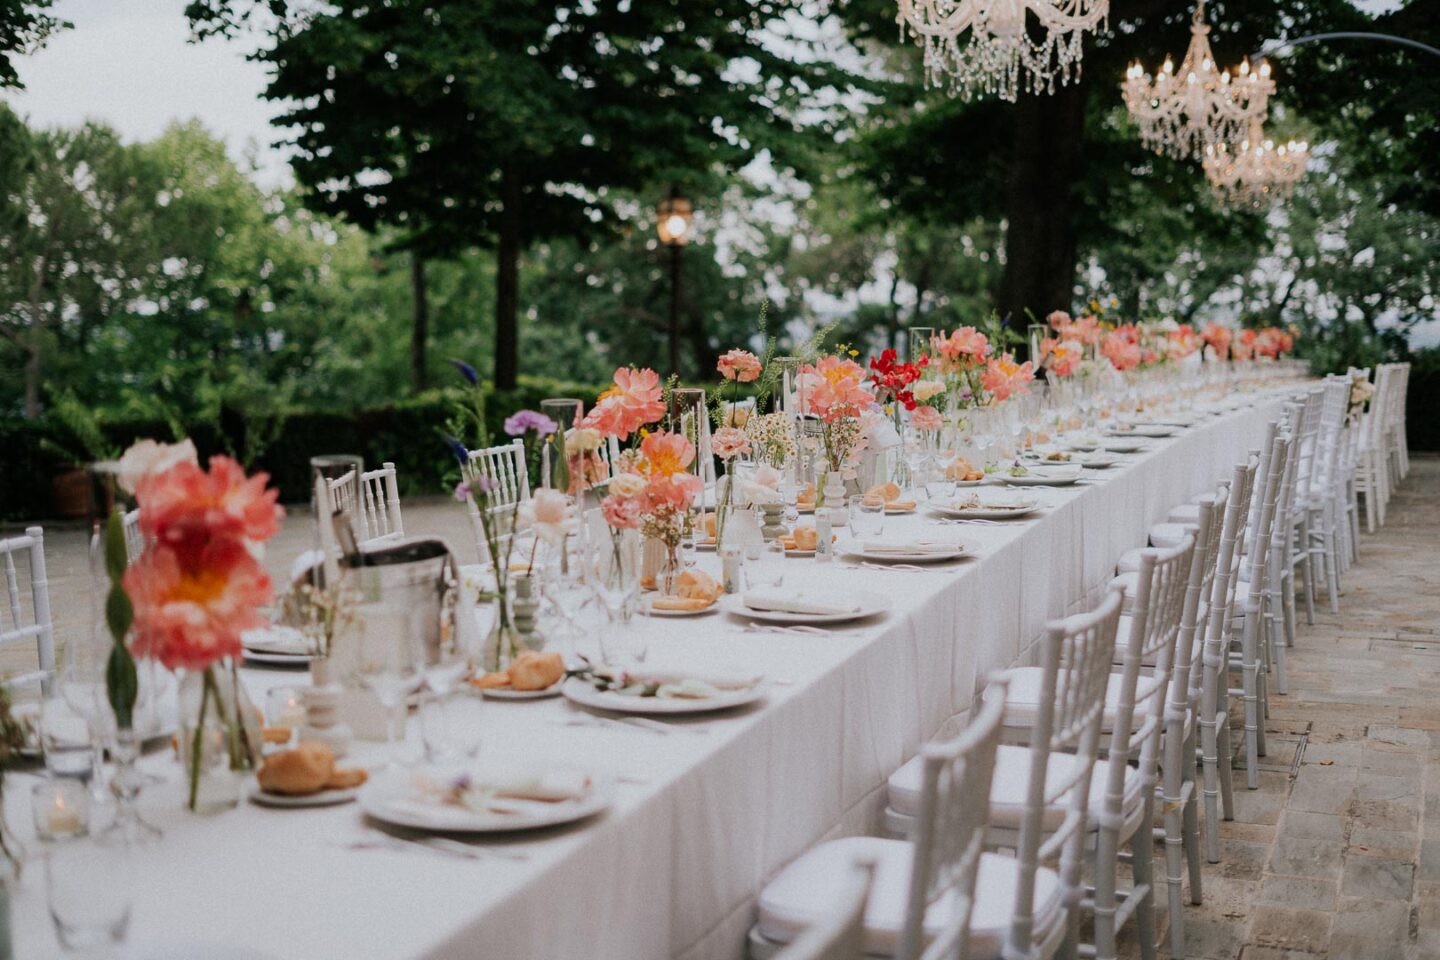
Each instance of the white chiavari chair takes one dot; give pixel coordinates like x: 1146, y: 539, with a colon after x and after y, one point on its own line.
x: 840, y: 936
x: 928, y: 891
x: 1213, y: 719
x: 1371, y: 475
x: 1251, y: 632
x: 1324, y: 500
x: 372, y: 502
x: 28, y: 621
x: 504, y: 472
x: 1397, y: 452
x: 134, y: 539
x: 1045, y: 802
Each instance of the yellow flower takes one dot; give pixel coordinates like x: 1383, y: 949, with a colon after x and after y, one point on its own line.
x: 854, y: 353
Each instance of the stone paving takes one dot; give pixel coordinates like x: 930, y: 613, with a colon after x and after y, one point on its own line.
x: 1337, y: 855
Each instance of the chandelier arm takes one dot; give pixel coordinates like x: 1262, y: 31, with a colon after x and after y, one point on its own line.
x: 1347, y: 35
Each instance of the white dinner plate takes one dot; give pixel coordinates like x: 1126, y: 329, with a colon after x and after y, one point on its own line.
x: 1118, y: 445
x: 1098, y: 462
x: 583, y: 692
x: 988, y: 511
x: 384, y: 799
x: 1041, y: 480
x: 505, y: 693
x: 857, y: 552
x: 650, y: 610
x: 868, y: 604
x: 899, y: 511
x: 970, y: 483
x: 278, y: 659
x: 1153, y: 430
x: 325, y: 798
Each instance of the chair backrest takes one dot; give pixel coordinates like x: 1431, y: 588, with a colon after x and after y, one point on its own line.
x: 841, y: 935
x: 1332, y: 434
x: 134, y: 539
x: 1263, y: 533
x: 1372, y: 424
x: 1159, y: 603
x: 949, y: 833
x: 1214, y: 673
x: 1070, y: 708
x: 1186, y: 668
x: 30, y: 621
x: 503, y: 468
x: 372, y: 502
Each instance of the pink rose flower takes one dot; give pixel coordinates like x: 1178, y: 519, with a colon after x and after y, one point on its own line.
x: 623, y: 513
x: 1004, y: 377
x: 927, y: 419
x: 550, y: 506
x: 739, y: 365
x: 728, y: 442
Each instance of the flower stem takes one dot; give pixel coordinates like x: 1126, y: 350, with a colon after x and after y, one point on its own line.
x: 197, y: 738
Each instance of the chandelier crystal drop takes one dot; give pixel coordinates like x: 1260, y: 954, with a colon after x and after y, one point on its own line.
x: 1257, y: 172
x: 1181, y: 112
x: 998, y: 47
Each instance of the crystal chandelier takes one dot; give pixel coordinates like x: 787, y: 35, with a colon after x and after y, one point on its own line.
x: 992, y: 46
x: 1182, y: 111
x: 1256, y: 173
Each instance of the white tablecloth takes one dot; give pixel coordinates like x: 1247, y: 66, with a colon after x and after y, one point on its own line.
x: 704, y: 814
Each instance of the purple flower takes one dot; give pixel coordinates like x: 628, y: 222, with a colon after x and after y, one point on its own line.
x: 523, y: 420
x: 462, y: 491
x: 458, y: 448
x: 466, y: 371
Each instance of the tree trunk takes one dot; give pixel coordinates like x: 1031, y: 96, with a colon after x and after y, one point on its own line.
x: 419, y: 323
x: 507, y: 286
x: 700, y: 342
x: 1047, y: 153
x: 32, y: 377
x: 674, y: 318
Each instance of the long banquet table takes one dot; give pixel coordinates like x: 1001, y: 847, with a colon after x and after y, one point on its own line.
x: 704, y: 814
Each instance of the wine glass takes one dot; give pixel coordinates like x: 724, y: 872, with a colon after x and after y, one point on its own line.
x: 564, y: 584
x: 867, y: 517
x: 387, y: 664
x: 765, y: 568
x: 615, y: 565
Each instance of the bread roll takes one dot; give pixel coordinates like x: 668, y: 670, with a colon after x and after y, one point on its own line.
x: 697, y: 585
x: 805, y: 538
x: 306, y: 769
x: 710, y: 525
x: 346, y: 779
x: 884, y: 491
x: 491, y: 680
x: 535, y: 671
x: 681, y: 603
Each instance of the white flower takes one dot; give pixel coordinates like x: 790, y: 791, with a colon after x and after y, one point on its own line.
x: 146, y: 457
x: 627, y: 485
x: 755, y: 494
x: 582, y: 440
x: 767, y: 476
x: 925, y: 389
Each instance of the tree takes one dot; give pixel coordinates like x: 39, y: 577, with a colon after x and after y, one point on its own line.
x: 1058, y: 176
x: 461, y: 122
x: 25, y: 25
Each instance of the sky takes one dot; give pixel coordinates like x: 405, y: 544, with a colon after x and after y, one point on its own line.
x: 131, y: 64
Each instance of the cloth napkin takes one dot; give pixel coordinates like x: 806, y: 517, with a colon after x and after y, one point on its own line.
x: 719, y: 679
x: 787, y: 601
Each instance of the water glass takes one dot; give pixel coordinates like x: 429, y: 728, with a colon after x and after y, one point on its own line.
x: 87, y: 884
x: 450, y: 729
x: 65, y: 738
x: 621, y: 644
x: 939, y: 488
x: 387, y: 664
x: 765, y: 565
x: 867, y: 517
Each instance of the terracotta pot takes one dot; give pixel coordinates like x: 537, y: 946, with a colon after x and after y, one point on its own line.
x: 71, y: 494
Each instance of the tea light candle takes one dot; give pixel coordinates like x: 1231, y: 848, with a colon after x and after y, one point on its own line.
x: 287, y: 707
x: 61, y: 807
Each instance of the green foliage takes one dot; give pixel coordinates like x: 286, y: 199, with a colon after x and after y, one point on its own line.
x: 122, y: 685
x: 25, y: 25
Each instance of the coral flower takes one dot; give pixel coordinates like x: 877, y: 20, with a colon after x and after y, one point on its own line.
x: 632, y: 401
x: 621, y: 512
x: 674, y: 492
x: 926, y: 419
x: 1218, y: 336
x: 1062, y: 357
x: 666, y: 454
x: 190, y: 614
x: 966, y: 343
x: 187, y: 507
x: 739, y: 365
x: 1123, y: 353
x: 729, y: 442
x: 1004, y: 377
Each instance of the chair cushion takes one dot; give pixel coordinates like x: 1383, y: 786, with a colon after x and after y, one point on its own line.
x: 1129, y: 561
x: 807, y: 890
x: 1022, y: 700
x: 1185, y: 513
x: 1170, y: 534
x: 1008, y: 788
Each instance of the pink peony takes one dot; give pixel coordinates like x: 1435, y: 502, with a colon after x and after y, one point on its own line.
x: 1003, y: 377
x: 926, y: 419
x: 834, y: 388
x: 1061, y: 357
x: 739, y: 365
x: 1122, y: 352
x: 676, y: 491
x: 964, y: 344
x: 550, y: 506
x: 146, y: 458
x: 728, y: 442
x: 631, y: 402
x: 189, y: 614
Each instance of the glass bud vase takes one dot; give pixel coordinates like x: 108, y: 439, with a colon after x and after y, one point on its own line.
x: 220, y: 737
x: 667, y: 580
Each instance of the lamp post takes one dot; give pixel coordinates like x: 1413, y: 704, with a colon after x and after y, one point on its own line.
x: 674, y: 218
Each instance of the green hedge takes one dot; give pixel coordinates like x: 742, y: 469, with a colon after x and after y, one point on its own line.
x: 407, y: 433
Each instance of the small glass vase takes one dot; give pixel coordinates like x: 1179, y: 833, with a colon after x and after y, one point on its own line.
x: 219, y: 738
x: 505, y: 642
x: 667, y: 579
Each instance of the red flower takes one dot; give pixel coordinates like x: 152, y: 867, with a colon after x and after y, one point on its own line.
x: 892, y: 378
